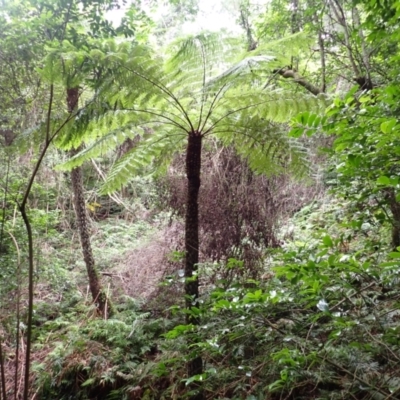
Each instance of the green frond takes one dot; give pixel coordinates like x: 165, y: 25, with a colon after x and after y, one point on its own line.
x: 255, y: 103
x: 105, y: 132
x: 266, y: 148
x: 199, y: 87
x: 247, y: 125
x: 157, y: 150
x: 99, y: 147
x: 209, y: 48
x: 249, y: 66
x: 133, y: 69
x: 197, y: 59
x: 257, y: 66
x: 287, y: 47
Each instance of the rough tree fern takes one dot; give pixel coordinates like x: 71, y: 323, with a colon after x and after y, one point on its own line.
x: 175, y: 103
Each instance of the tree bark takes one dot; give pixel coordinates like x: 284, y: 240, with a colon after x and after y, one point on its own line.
x: 341, y: 19
x: 321, y: 44
x: 245, y: 23
x: 364, y: 52
x: 98, y: 294
x: 394, y: 206
x: 193, y: 168
x: 293, y: 74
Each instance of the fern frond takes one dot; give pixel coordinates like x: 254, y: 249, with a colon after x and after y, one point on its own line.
x: 259, y: 65
x: 198, y: 59
x: 277, y: 105
x: 287, y: 47
x: 244, y: 120
x: 198, y: 88
x: 159, y: 148
x: 207, y: 48
x: 249, y: 66
x: 266, y: 148
x: 99, y: 147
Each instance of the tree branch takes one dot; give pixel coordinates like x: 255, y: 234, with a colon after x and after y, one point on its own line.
x: 293, y: 74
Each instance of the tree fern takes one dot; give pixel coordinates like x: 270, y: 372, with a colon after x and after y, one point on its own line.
x: 196, y: 93
x: 196, y: 88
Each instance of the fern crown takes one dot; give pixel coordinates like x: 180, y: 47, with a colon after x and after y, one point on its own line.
x: 200, y: 87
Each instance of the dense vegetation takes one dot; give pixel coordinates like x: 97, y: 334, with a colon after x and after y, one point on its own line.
x: 199, y: 214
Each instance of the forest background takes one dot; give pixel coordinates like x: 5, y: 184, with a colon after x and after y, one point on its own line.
x: 199, y: 200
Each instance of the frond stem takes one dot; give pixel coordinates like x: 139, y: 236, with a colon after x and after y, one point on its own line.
x: 162, y: 115
x: 165, y: 90
x: 213, y: 104
x: 234, y: 112
x: 203, y: 96
x: 171, y: 121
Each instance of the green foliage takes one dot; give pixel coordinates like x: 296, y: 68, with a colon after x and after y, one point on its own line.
x: 100, y: 355
x: 13, y: 245
x: 190, y: 91
x: 274, y: 22
x: 117, y: 237
x: 285, y: 48
x: 322, y: 322
x: 366, y: 152
x: 318, y: 323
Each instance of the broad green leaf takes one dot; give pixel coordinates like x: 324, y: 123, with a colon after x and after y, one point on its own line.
x: 354, y: 160
x: 364, y: 99
x: 327, y: 240
x: 387, y: 126
x: 383, y: 180
x: 394, y: 255
x: 195, y: 378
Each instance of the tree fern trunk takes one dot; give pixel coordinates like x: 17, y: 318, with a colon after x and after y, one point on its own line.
x: 99, y: 296
x: 193, y: 167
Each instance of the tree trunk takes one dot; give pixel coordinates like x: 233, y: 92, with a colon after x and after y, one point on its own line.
x: 245, y: 23
x: 99, y: 296
x: 193, y: 167
x: 395, y: 209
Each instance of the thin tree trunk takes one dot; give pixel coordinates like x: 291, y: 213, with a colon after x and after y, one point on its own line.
x: 28, y: 227
x: 3, y: 221
x: 295, y: 16
x: 98, y: 295
x: 193, y: 168
x: 364, y: 51
x: 321, y: 44
x: 244, y: 21
x: 295, y: 27
x: 3, y: 377
x: 395, y: 209
x: 341, y: 19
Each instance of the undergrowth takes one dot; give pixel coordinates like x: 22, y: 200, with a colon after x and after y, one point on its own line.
x: 321, y: 323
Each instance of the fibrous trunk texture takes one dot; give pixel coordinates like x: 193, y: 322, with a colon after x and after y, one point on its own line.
x: 99, y: 297
x: 193, y: 167
x: 395, y: 209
